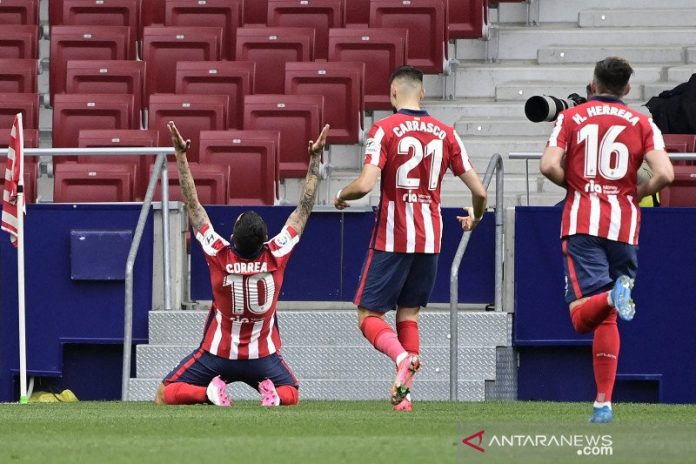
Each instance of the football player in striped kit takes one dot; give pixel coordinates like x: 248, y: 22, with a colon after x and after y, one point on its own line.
x: 595, y: 151
x: 241, y: 341
x: 411, y: 152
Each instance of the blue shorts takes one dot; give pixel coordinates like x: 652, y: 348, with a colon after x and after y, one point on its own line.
x: 200, y: 367
x: 592, y: 264
x: 389, y: 280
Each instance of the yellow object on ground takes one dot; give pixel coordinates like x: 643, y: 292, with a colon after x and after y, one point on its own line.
x: 66, y: 396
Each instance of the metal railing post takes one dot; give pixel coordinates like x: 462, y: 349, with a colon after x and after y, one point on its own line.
x: 494, y: 165
x: 166, y: 272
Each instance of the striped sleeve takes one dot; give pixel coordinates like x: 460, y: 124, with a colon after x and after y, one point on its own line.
x: 210, y: 241
x: 282, y: 244
x: 653, y: 139
x: 559, y: 135
x: 459, y: 162
x: 375, y: 152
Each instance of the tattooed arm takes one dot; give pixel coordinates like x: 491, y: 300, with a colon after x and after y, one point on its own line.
x: 197, y: 215
x: 298, y: 218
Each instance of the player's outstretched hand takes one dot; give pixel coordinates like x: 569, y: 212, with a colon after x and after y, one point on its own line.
x: 317, y: 148
x: 339, y: 203
x: 180, y: 145
x: 468, y: 222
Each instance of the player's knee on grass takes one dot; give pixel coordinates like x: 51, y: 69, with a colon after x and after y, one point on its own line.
x: 159, y: 395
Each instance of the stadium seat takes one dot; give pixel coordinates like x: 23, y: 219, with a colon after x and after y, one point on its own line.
x: 191, y: 113
x: 13, y: 103
x: 19, y: 41
x: 319, y: 14
x: 251, y: 159
x: 466, y: 18
x: 341, y: 84
x: 682, y: 191
x: 75, y: 112
x: 211, y: 184
x: 18, y: 75
x: 382, y: 50
x: 270, y: 48
x: 104, y: 13
x: 232, y: 78
x: 299, y: 118
x: 109, y: 76
x: 31, y: 140
x: 357, y: 13
x: 92, y: 183
x: 121, y: 139
x: 84, y: 43
x: 164, y: 46
x: 681, y: 143
x: 152, y: 12
x: 255, y: 12
x: 427, y: 27
x: 226, y: 14
x: 19, y: 12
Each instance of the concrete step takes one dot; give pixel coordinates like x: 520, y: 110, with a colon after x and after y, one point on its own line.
x: 336, y: 362
x: 656, y: 88
x: 450, y: 112
x: 476, y: 328
x: 553, y: 11
x: 680, y: 73
x: 320, y: 389
x: 691, y: 54
x: 522, y: 43
x: 638, y: 17
x: 574, y: 54
x: 522, y: 90
x: 481, y: 80
x: 495, y: 127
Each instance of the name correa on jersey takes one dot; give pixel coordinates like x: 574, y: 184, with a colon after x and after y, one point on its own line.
x: 241, y: 323
x: 413, y: 150
x: 604, y: 145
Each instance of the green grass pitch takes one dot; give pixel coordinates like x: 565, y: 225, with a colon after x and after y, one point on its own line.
x: 338, y: 432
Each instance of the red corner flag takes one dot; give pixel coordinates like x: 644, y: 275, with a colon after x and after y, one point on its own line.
x: 14, y: 179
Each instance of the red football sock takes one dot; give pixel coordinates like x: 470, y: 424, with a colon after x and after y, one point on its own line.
x: 184, y: 393
x: 289, y: 395
x: 605, y: 355
x: 588, y: 315
x: 408, y: 336
x: 382, y: 337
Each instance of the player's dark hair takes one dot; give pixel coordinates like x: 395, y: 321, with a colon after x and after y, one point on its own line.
x: 612, y: 75
x: 249, y: 233
x: 407, y: 72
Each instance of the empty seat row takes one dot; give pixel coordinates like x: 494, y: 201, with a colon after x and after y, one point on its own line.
x: 682, y: 191
x: 19, y: 12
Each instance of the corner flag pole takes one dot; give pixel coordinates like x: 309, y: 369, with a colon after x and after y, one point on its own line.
x: 23, y: 397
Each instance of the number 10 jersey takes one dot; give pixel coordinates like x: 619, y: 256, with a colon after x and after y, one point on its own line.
x: 242, y: 319
x: 413, y: 150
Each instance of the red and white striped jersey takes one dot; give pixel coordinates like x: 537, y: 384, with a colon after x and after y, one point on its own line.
x: 242, y: 319
x: 413, y: 150
x: 604, y: 142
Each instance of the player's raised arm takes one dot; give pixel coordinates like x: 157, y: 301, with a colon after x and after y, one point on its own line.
x: 197, y: 215
x: 298, y: 218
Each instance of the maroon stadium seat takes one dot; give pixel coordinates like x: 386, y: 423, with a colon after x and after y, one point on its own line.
x: 357, y: 13
x: 251, y: 159
x: 31, y: 140
x: 255, y: 12
x: 164, y: 46
x: 682, y: 191
x: 191, y: 113
x: 84, y: 43
x: 226, y: 14
x: 319, y: 14
x: 427, y: 29
x: 466, y: 18
x: 13, y: 103
x: 18, y: 75
x: 104, y: 13
x: 19, y: 41
x: 75, y: 112
x: 681, y: 143
x: 109, y: 76
x: 152, y: 12
x: 211, y: 184
x: 341, y: 84
x: 270, y: 48
x: 121, y: 139
x: 19, y: 12
x: 91, y: 183
x: 299, y: 118
x: 382, y: 51
x: 232, y: 78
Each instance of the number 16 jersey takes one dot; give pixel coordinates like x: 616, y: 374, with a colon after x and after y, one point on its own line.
x: 242, y: 319
x: 413, y: 150
x: 605, y: 142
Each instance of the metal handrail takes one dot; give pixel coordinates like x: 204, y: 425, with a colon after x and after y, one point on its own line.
x: 526, y: 156
x: 494, y: 165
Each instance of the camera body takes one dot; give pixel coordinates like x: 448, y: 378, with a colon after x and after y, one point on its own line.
x: 547, y: 108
